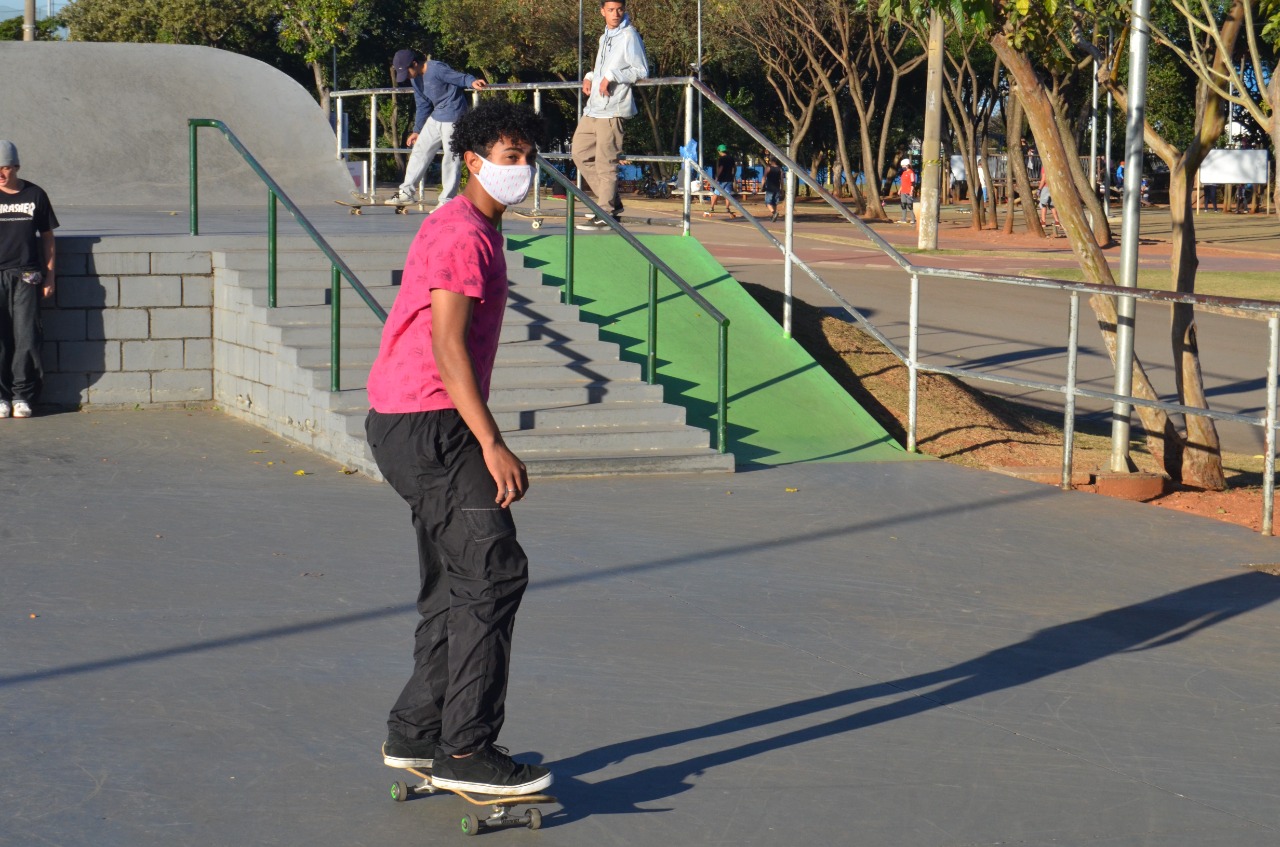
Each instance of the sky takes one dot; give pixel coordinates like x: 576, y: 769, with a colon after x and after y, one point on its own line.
x: 14, y: 8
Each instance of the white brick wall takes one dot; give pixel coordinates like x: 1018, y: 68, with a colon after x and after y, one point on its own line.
x: 130, y: 327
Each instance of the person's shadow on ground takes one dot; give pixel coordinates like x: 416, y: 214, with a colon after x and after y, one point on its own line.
x: 1148, y: 625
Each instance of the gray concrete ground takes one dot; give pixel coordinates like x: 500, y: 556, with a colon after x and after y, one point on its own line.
x: 200, y: 645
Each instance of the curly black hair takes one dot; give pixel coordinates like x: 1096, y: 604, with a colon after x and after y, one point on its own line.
x: 479, y: 129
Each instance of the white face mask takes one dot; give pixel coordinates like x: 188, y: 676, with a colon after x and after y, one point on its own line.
x: 508, y: 184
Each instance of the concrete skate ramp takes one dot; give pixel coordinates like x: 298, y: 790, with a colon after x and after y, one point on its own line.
x: 106, y: 124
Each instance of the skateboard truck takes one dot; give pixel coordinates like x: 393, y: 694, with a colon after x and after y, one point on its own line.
x: 500, y: 816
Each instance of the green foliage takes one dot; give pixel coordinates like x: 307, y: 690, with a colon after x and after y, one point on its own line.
x: 46, y: 29
x: 230, y: 24
x: 312, y: 28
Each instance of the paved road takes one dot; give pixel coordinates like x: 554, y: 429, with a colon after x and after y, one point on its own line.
x: 200, y: 647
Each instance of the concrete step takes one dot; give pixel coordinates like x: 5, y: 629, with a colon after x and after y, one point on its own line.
x: 510, y: 376
x: 639, y: 440
x: 573, y: 463
x: 511, y: 353
x: 576, y: 418
x: 312, y: 260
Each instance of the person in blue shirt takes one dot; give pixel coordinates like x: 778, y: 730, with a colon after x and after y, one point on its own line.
x: 440, y: 94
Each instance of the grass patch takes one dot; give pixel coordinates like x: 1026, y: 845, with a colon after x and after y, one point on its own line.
x: 1250, y: 285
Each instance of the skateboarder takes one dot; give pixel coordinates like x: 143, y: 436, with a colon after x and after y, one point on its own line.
x: 27, y: 257
x: 440, y: 94
x: 620, y: 63
x: 436, y: 442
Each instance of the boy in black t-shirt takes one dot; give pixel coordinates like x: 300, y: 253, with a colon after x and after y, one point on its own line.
x: 726, y: 172
x: 27, y: 223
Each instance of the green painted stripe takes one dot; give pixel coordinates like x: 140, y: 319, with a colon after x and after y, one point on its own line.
x: 783, y: 407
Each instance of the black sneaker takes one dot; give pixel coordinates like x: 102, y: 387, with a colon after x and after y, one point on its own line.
x: 401, y: 752
x: 489, y: 770
x: 590, y: 223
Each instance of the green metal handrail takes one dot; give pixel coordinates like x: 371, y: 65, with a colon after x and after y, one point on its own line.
x: 338, y: 268
x: 656, y: 264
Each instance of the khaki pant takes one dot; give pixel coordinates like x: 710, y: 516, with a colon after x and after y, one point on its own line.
x: 597, y: 143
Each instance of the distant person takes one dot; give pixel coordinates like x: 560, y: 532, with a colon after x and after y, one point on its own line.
x: 906, y: 192
x: 1211, y: 197
x: 772, y: 186
x: 597, y: 142
x: 1120, y: 175
x: 1046, y: 204
x: 439, y: 92
x: 1144, y: 195
x: 726, y: 171
x: 435, y: 440
x: 27, y: 259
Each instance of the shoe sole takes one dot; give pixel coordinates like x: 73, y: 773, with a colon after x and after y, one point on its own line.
x: 396, y: 762
x: 530, y: 787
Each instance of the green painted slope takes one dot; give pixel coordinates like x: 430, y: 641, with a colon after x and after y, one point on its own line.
x: 783, y: 407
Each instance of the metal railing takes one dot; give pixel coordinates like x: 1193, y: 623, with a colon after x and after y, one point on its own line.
x: 1230, y: 306
x: 656, y: 264
x: 1258, y: 310
x: 337, y: 267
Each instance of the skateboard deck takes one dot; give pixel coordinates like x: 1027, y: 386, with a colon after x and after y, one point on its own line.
x: 356, y: 205
x: 500, y: 817
x: 536, y: 217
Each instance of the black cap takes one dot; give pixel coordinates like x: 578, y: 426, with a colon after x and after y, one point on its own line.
x: 400, y: 64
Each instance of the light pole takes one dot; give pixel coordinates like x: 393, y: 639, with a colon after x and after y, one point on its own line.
x: 698, y: 70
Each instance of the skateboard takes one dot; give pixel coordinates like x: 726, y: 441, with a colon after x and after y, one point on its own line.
x: 500, y: 817
x: 538, y: 217
x: 356, y: 205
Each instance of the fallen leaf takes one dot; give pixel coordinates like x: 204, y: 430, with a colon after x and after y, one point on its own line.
x: 792, y: 490
x: 300, y: 473
x: 257, y: 451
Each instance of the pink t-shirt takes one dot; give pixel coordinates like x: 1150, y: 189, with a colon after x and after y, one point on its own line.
x: 456, y: 249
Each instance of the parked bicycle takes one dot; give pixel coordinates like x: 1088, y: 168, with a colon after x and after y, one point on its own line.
x: 651, y: 186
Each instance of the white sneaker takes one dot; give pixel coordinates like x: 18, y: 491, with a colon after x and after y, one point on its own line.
x: 21, y: 409
x: 398, y: 199
x: 5, y: 409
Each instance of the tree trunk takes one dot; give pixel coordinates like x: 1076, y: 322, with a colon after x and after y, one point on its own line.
x: 1018, y: 167
x: 1163, y: 439
x: 322, y: 88
x: 1202, y: 452
x: 1100, y: 227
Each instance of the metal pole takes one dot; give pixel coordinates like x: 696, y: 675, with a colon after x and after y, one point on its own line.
x: 537, y: 172
x: 789, y: 228
x: 1269, y: 471
x: 653, y: 323
x: 193, y: 182
x: 568, y: 248
x: 29, y: 21
x: 931, y: 167
x: 1093, y: 133
x: 688, y: 166
x: 337, y: 129
x: 698, y: 70
x: 580, y: 23
x: 722, y: 394
x: 1126, y: 307
x: 335, y: 329
x: 271, y: 248
x: 1069, y: 411
x: 1106, y: 176
x: 913, y: 357
x: 373, y: 144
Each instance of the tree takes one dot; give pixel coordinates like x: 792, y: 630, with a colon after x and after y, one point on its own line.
x: 1254, y: 85
x: 229, y: 24
x: 1201, y: 460
x: 313, y: 29
x: 46, y: 29
x: 1019, y: 31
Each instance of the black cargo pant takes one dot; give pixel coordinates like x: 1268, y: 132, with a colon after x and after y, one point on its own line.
x: 473, y: 576
x: 20, y: 369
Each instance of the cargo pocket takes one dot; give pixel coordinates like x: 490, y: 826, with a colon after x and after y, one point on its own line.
x: 488, y: 524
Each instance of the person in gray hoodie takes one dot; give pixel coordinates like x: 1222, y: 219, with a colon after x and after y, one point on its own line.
x: 440, y: 94
x: 597, y: 142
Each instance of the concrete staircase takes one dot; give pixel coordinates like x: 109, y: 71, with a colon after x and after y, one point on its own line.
x: 565, y: 401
